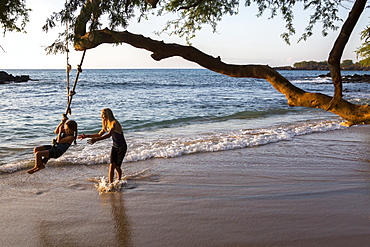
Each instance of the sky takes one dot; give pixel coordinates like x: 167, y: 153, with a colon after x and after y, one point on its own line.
x: 240, y: 39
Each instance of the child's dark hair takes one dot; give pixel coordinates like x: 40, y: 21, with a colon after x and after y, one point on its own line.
x: 73, y: 126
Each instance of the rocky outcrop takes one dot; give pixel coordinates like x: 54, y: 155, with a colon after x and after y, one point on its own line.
x: 351, y: 78
x: 7, y: 78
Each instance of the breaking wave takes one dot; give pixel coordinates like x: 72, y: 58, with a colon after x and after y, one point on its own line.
x: 140, y: 150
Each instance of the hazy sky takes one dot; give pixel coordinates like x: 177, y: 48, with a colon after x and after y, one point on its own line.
x: 241, y: 39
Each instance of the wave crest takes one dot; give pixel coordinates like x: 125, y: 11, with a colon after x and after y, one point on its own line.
x: 140, y: 150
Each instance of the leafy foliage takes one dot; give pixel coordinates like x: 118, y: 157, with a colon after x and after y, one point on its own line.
x: 324, y: 12
x: 192, y: 15
x: 116, y: 13
x: 364, y: 50
x: 346, y: 63
x: 13, y: 15
x: 312, y: 65
x: 321, y: 65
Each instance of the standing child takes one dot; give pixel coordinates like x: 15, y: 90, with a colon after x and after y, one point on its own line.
x: 112, y: 128
x: 67, y: 133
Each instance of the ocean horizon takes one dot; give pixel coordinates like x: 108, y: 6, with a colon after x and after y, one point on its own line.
x: 165, y: 113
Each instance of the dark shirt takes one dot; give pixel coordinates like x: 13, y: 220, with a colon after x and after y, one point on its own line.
x: 118, y: 139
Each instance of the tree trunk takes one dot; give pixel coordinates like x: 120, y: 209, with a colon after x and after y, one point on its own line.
x: 339, y: 45
x: 354, y: 114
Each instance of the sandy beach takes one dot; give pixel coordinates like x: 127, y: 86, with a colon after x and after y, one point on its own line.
x: 312, y: 191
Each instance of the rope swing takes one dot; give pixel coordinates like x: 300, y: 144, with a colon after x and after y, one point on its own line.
x: 72, y: 92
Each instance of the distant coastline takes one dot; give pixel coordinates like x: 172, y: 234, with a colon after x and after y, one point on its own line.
x: 324, y: 68
x: 314, y: 65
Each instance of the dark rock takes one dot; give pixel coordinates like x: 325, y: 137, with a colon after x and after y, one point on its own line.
x: 6, y: 78
x: 325, y: 75
x: 351, y: 78
x: 356, y: 78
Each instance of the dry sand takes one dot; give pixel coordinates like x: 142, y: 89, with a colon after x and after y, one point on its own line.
x: 312, y: 191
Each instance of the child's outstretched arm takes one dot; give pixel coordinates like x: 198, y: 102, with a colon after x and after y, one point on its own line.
x: 100, y: 137
x: 83, y: 136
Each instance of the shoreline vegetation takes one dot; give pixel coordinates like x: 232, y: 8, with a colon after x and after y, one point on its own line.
x: 323, y: 65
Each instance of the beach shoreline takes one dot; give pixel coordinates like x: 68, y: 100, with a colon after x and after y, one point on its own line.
x: 310, y: 191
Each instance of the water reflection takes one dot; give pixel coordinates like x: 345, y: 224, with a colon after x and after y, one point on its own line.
x: 119, y: 218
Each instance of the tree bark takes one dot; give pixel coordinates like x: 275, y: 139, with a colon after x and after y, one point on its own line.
x: 338, y: 48
x: 354, y: 114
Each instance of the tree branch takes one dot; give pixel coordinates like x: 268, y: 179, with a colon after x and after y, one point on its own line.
x: 296, y: 97
x: 337, y: 50
x: 82, y: 19
x: 152, y: 2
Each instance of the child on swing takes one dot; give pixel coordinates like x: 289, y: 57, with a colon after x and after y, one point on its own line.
x: 67, y: 133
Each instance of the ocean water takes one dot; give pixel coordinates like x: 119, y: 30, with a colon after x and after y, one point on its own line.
x: 164, y: 113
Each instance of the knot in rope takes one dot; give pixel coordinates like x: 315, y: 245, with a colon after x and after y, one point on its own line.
x: 69, y: 68
x: 64, y: 117
x: 72, y: 92
x: 69, y: 111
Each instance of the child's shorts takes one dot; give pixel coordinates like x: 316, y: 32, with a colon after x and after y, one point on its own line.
x: 117, y: 154
x: 54, y: 152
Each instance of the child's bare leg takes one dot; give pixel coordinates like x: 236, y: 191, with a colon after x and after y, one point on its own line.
x: 41, y: 148
x: 37, y: 149
x: 39, y: 153
x: 112, y: 167
x: 119, y: 172
x: 38, y: 158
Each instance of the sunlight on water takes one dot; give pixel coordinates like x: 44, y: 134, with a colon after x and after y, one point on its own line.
x: 164, y: 113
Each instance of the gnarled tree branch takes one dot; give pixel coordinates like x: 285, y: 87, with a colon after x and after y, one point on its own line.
x: 354, y: 114
x: 338, y: 48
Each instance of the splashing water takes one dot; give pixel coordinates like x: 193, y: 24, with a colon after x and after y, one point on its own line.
x: 105, y: 187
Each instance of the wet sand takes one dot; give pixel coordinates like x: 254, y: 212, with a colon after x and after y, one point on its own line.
x: 312, y: 191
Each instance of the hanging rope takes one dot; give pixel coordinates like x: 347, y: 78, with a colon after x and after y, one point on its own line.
x: 73, y: 92
x: 69, y: 67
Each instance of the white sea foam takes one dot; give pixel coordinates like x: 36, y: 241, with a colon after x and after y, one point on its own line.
x: 316, y: 80
x: 140, y: 150
x: 104, y: 187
